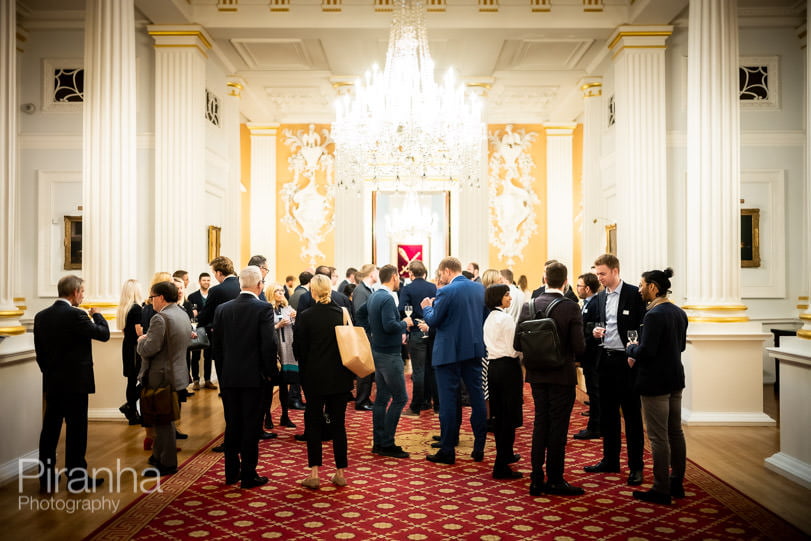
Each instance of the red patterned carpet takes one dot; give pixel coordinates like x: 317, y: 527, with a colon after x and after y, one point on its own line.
x: 414, y: 499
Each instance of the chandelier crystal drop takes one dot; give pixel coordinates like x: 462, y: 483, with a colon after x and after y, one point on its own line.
x: 400, y: 126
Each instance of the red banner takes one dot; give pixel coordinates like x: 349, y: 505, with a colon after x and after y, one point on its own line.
x: 406, y: 253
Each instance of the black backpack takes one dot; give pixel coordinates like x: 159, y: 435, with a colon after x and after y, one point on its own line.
x: 540, y: 342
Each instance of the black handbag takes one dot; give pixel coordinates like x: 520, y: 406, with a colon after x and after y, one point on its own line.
x: 201, y: 342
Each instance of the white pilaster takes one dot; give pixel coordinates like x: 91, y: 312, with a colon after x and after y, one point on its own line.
x: 805, y: 314
x: 263, y: 193
x: 109, y: 194
x: 470, y: 235
x: 231, y: 120
x: 593, y: 234
x: 723, y: 346
x: 9, y: 313
x: 641, y: 135
x: 559, y: 198
x: 180, y: 53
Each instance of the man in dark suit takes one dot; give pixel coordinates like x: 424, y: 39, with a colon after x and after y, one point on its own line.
x: 302, y: 288
x: 244, y: 343
x: 261, y: 262
x: 567, y: 290
x: 457, y: 314
x: 620, y: 308
x: 306, y: 299
x: 418, y: 342
x: 198, y: 301
x: 553, y: 391
x: 587, y: 288
x: 226, y: 290
x: 367, y: 277
x: 62, y: 340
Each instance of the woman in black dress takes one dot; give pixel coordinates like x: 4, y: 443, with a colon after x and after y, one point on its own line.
x: 128, y: 319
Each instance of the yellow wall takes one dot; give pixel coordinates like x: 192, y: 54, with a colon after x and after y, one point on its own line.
x: 245, y: 197
x: 577, y: 204
x: 289, y: 245
x: 535, y: 251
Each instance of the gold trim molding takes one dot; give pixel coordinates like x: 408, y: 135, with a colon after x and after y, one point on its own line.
x: 711, y: 308
x: 182, y: 33
x: 11, y: 313
x: 800, y: 298
x: 12, y: 331
x: 805, y: 317
x: 718, y: 319
x: 88, y: 305
x: 639, y: 34
x: 804, y: 334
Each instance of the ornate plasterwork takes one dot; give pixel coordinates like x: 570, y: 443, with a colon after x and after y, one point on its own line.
x: 308, y: 199
x: 512, y: 200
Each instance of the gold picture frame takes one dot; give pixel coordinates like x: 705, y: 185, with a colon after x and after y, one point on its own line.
x: 73, y: 243
x: 214, y: 233
x: 611, y: 239
x: 750, y: 238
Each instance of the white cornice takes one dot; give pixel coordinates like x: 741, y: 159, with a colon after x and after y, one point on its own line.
x: 750, y: 138
x: 70, y: 141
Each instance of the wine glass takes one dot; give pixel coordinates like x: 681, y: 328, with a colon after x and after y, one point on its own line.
x: 408, y: 309
x: 601, y: 325
x: 424, y: 334
x: 633, y: 336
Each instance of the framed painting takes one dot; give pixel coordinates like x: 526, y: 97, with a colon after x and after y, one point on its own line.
x: 611, y: 239
x: 73, y: 243
x: 750, y: 237
x: 213, y: 241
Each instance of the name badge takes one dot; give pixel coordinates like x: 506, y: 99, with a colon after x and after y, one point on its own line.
x: 626, y: 312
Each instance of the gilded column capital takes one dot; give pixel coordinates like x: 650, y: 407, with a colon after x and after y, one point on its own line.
x: 235, y: 85
x: 592, y: 87
x: 180, y: 36
x: 639, y: 37
x: 263, y: 129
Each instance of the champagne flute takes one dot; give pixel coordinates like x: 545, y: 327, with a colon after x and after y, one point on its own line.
x: 424, y: 334
x: 408, y: 309
x: 633, y: 336
x: 601, y: 325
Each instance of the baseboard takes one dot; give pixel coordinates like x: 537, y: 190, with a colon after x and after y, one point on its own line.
x: 726, y: 418
x: 791, y: 468
x: 10, y: 470
x: 105, y: 414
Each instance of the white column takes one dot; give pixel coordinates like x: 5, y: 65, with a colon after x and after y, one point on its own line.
x: 180, y: 55
x: 231, y: 121
x: 109, y: 194
x: 470, y: 234
x: 805, y: 314
x: 641, y: 158
x: 9, y: 313
x: 593, y: 114
x: 263, y: 193
x: 723, y: 346
x: 559, y: 199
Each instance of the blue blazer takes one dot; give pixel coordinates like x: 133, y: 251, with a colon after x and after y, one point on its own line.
x: 458, y: 317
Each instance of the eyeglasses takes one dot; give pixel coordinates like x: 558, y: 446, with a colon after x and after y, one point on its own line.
x: 154, y: 296
x: 264, y: 268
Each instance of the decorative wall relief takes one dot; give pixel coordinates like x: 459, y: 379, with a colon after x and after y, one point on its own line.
x: 512, y: 218
x: 308, y: 208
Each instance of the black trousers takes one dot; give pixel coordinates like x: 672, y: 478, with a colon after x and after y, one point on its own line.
x: 243, y: 422
x: 505, y: 381
x: 593, y: 389
x: 617, y: 391
x: 335, y: 405
x: 363, y: 395
x: 267, y: 397
x: 553, y: 406
x: 72, y: 409
x: 195, y: 364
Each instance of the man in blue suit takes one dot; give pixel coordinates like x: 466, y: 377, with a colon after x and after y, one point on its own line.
x: 457, y: 315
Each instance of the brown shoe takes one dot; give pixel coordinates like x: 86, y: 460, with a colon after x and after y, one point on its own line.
x: 210, y: 385
x: 196, y: 386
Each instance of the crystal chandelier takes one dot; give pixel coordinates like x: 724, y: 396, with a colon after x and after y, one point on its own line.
x: 410, y: 220
x: 400, y: 126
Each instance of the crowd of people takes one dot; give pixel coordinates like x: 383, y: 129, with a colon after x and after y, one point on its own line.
x: 460, y: 333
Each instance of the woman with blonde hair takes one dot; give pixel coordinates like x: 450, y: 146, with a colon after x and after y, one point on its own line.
x: 490, y: 277
x: 284, y: 318
x: 324, y: 378
x: 128, y: 320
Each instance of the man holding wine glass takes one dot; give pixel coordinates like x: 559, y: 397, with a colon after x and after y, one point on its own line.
x: 418, y: 343
x: 618, y: 309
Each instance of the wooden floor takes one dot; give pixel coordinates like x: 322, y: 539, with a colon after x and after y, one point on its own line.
x: 734, y: 454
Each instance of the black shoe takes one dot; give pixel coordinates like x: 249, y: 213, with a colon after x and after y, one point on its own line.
x: 516, y: 457
x: 180, y: 435
x: 436, y: 445
x: 536, y: 489
x: 477, y: 456
x: 375, y: 449
x: 392, y: 451
x: 296, y: 405
x: 436, y: 438
x: 267, y: 435
x: 602, y: 467
x: 153, y: 461
x: 286, y: 422
x: 257, y: 481
x: 439, y: 458
x: 219, y: 448
x: 300, y: 437
x: 231, y: 480
x: 586, y: 403
x: 269, y: 424
x: 364, y: 407
x: 563, y: 489
x: 585, y: 413
x: 651, y: 496
x: 507, y: 474
x: 587, y: 434
x: 635, y: 478
x: 125, y: 409
x: 676, y: 488
x: 135, y: 420
x: 159, y: 471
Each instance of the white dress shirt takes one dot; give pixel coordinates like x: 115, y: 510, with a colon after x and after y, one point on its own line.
x: 612, y: 339
x: 499, y: 332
